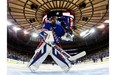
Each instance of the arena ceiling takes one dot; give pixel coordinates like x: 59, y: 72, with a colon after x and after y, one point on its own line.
x: 19, y: 12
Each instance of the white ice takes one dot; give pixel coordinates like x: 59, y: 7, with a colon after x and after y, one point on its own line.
x: 101, y: 68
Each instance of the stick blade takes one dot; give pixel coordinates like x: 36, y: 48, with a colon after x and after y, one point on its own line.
x: 75, y: 57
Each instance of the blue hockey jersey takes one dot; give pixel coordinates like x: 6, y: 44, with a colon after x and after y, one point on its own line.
x: 58, y: 29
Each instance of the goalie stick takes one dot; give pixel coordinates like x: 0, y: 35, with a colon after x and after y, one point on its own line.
x: 71, y: 58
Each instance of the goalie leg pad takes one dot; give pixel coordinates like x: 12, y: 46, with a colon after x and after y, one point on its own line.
x: 39, y: 56
x: 60, y: 59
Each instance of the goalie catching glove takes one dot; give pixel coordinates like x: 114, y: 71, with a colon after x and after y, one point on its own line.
x: 67, y: 37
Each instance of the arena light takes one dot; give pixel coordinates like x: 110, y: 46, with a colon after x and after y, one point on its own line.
x: 86, y: 35
x: 84, y: 32
x: 101, y: 26
x: 9, y: 23
x: 106, y: 21
x: 57, y: 13
x: 34, y: 35
x: 16, y: 28
x: 26, y: 32
x: 92, y: 30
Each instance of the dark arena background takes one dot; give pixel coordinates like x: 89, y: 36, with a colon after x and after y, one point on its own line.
x: 87, y: 21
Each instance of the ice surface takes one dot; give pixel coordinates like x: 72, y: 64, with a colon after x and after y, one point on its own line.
x: 79, y: 69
